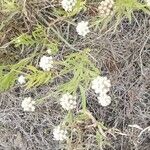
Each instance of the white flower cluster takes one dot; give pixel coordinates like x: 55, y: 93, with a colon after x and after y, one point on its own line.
x: 68, y: 102
x: 28, y: 104
x: 46, y: 63
x: 82, y: 28
x: 68, y: 5
x: 59, y: 134
x: 21, y: 79
x: 101, y: 85
x: 147, y: 2
x: 105, y: 8
x: 104, y: 99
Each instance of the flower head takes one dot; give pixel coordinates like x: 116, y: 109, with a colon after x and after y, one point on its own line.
x: 46, y: 63
x: 68, y: 101
x: 21, y: 79
x: 82, y: 28
x: 106, y: 8
x: 101, y: 85
x: 28, y: 104
x: 104, y: 99
x: 68, y: 5
x: 59, y: 134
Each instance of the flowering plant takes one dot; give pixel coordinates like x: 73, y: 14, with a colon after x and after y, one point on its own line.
x: 47, y: 53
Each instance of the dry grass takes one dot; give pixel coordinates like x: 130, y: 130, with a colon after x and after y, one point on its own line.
x: 122, y: 55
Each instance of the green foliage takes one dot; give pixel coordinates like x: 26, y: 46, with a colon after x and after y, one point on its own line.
x: 8, y: 74
x: 37, y: 37
x: 24, y: 39
x: 127, y: 7
x: 36, y: 77
x: 82, y: 70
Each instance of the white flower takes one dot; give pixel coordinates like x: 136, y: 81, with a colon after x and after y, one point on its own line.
x: 68, y: 101
x: 147, y: 2
x: 101, y: 85
x: 46, y: 63
x: 82, y: 28
x: 21, y: 79
x: 59, y: 134
x: 104, y: 99
x: 28, y: 104
x: 105, y: 8
x: 68, y: 5
x: 49, y: 51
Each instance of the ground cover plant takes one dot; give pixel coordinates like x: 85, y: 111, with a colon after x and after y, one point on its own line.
x: 74, y: 74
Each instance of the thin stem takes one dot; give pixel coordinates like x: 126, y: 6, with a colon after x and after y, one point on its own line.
x: 83, y: 98
x: 58, y: 34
